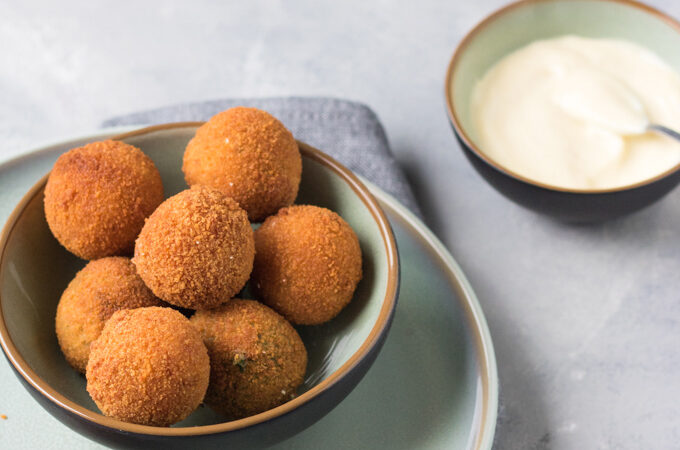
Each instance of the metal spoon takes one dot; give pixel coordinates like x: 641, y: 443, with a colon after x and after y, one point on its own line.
x: 598, y: 98
x: 663, y: 130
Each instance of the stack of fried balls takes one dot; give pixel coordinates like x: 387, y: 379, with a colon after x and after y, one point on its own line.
x: 151, y: 320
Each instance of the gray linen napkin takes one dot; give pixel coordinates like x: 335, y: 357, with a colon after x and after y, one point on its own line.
x: 348, y: 131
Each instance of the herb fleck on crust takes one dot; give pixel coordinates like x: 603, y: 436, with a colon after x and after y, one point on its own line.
x: 258, y: 359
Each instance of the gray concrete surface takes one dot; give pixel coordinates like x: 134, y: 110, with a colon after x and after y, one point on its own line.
x: 586, y: 320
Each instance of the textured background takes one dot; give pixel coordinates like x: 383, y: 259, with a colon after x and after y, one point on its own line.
x: 586, y: 320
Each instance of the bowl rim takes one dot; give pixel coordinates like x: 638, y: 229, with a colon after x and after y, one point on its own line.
x: 468, y: 142
x: 380, y: 327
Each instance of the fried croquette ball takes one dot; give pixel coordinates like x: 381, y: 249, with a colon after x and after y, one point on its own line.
x: 98, y: 196
x: 257, y: 358
x: 101, y: 288
x: 196, y: 250
x: 250, y: 156
x: 307, y: 263
x: 149, y: 366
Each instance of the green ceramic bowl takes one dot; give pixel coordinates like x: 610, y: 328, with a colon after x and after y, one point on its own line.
x: 34, y: 270
x: 515, y: 26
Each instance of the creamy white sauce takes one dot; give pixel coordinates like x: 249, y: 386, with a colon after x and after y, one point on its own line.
x: 572, y: 112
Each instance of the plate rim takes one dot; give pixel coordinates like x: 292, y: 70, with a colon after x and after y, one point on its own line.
x: 474, y: 313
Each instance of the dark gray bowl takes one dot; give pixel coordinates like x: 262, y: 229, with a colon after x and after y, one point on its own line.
x: 515, y: 26
x: 34, y: 270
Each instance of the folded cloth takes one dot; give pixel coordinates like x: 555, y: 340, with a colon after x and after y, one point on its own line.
x: 348, y: 131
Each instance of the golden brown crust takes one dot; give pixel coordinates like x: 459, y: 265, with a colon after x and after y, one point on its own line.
x: 196, y: 250
x: 97, y: 197
x: 257, y: 358
x: 250, y: 156
x: 307, y: 263
x: 101, y: 288
x: 149, y: 366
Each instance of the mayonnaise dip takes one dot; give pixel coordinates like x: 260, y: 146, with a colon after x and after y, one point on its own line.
x: 571, y: 112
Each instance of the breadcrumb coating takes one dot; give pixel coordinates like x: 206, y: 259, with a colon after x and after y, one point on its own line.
x: 250, y: 156
x: 257, y: 358
x: 307, y: 264
x: 101, y: 288
x: 149, y: 366
x: 196, y: 250
x: 97, y: 197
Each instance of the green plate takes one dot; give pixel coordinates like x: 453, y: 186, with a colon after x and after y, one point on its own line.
x: 434, y: 384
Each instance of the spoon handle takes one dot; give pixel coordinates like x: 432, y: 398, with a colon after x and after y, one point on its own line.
x: 667, y: 131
